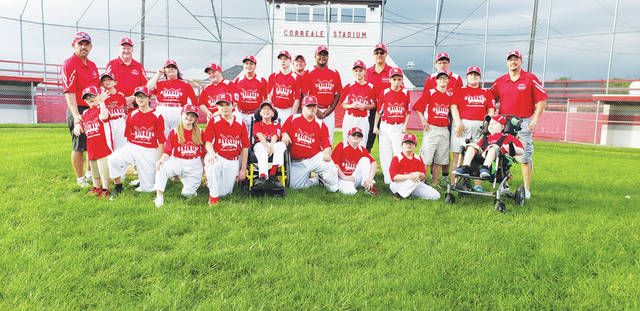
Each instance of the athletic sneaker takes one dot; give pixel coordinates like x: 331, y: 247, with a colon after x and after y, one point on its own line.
x: 189, y: 195
x: 478, y: 188
x: 159, y: 201
x: 94, y: 192
x: 484, y: 172
x: 527, y: 194
x: 116, y: 191
x: 104, y: 194
x: 372, y: 191
x: 135, y: 183
x: 463, y: 170
x: 213, y: 201
x: 82, y: 182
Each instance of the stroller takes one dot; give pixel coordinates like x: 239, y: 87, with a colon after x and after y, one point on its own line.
x: 500, y: 174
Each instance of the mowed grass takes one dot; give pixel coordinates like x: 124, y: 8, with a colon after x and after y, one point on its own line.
x: 575, y: 245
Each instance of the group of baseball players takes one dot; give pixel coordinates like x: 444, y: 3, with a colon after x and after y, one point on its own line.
x: 110, y: 116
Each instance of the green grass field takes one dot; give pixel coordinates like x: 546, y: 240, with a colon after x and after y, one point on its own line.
x: 575, y: 245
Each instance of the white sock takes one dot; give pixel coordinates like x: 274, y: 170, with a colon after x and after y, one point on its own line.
x: 88, y: 174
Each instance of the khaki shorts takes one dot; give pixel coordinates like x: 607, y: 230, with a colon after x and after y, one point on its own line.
x: 435, y: 146
x: 472, y: 130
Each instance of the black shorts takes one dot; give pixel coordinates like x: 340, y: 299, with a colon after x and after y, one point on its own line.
x: 78, y: 143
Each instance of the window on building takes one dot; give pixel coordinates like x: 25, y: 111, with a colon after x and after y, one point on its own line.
x: 359, y: 15
x: 290, y: 13
x: 347, y: 15
x: 303, y: 13
x: 334, y: 15
x: 318, y: 14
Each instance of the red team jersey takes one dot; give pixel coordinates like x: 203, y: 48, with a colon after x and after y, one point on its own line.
x: 403, y: 165
x: 284, y: 89
x: 76, y: 76
x: 117, y: 105
x: 493, y: 139
x: 435, y: 105
x: 455, y: 82
x: 174, y: 92
x: 145, y: 129
x: 99, y: 141
x: 268, y: 130
x: 393, y: 105
x: 128, y: 76
x: 518, y: 97
x: 249, y: 93
x: 358, y: 93
x: 188, y: 150
x: 208, y: 95
x: 228, y: 138
x: 379, y: 80
x: 322, y: 83
x: 307, y: 137
x: 473, y: 102
x: 347, y: 157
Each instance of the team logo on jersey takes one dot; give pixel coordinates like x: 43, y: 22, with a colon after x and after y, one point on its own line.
x: 324, y: 86
x: 282, y: 90
x: 229, y: 141
x: 91, y: 129
x: 142, y: 133
x: 250, y: 95
x: 441, y: 110
x: 522, y: 86
x: 475, y: 100
x: 363, y: 100
x: 395, y: 109
x: 135, y: 72
x: 304, y: 139
x: 171, y: 94
x: 449, y: 92
x: 189, y: 150
x: 348, y: 167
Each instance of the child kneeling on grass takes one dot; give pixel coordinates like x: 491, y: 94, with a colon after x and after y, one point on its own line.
x: 182, y: 156
x: 267, y: 132
x: 490, y: 146
x: 95, y: 125
x: 407, y: 172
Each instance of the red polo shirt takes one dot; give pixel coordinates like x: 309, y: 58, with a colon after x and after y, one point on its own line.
x: 380, y: 80
x: 518, y: 97
x: 128, y: 76
x: 76, y: 76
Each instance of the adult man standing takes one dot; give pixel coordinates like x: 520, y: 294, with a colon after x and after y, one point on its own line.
x: 78, y: 73
x: 520, y: 93
x: 127, y: 71
x: 326, y: 86
x: 378, y: 75
x: 300, y: 65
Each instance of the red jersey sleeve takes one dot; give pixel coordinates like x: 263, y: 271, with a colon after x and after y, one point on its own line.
x: 422, y: 102
x: 191, y: 94
x: 209, y: 132
x: 336, y: 155
x: 338, y: 82
x: 69, y: 77
x: 159, y: 127
x: 171, y: 141
x: 368, y: 155
x: 143, y: 76
x: 490, y: 101
x: 394, y: 168
x: 539, y: 94
x: 495, y: 91
x: 324, y: 137
x: 344, y: 97
x: 379, y: 101
x: 278, y: 130
x: 127, y: 126
x: 286, y: 127
x: 297, y: 85
x: 244, y: 136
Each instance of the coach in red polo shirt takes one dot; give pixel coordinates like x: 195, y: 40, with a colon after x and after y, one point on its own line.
x: 78, y: 73
x: 378, y: 75
x: 127, y: 71
x: 520, y: 93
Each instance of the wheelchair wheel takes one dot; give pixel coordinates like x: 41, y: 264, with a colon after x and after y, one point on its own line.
x: 519, y: 197
x: 449, y: 198
x: 499, y: 206
x: 286, y: 175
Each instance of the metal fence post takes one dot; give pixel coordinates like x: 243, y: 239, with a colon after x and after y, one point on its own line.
x: 34, y: 111
x: 566, y: 120
x: 595, y: 132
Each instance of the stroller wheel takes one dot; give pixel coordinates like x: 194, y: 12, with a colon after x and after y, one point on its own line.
x: 449, y: 198
x: 499, y: 206
x: 519, y: 197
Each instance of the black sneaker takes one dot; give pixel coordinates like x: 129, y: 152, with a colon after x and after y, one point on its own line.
x: 260, y: 184
x: 116, y: 191
x: 276, y: 185
x: 463, y: 170
x: 484, y: 172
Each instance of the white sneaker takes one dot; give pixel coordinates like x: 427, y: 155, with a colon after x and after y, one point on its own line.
x: 82, y: 182
x: 159, y: 201
x: 135, y: 183
x: 527, y: 194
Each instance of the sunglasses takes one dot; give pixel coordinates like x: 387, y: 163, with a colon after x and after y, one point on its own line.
x: 379, y: 52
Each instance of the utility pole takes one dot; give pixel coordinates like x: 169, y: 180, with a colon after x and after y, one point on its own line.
x: 532, y: 39
x: 142, y: 13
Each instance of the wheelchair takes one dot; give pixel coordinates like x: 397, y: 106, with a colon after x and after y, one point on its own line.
x: 500, y: 172
x: 282, y: 174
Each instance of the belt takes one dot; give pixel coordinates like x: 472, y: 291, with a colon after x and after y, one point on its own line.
x: 392, y: 123
x: 230, y: 159
x: 353, y: 115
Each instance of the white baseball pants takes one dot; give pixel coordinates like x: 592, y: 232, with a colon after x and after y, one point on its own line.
x: 117, y: 132
x: 143, y: 158
x: 263, y: 156
x: 417, y: 189
x: 171, y: 116
x: 300, y: 171
x: 221, y: 175
x: 390, y: 144
x: 350, y: 122
x: 363, y: 168
x: 189, y: 170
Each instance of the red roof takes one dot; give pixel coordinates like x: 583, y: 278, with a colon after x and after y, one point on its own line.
x: 21, y: 79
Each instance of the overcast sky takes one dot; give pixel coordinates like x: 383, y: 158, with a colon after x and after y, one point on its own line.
x: 579, y: 46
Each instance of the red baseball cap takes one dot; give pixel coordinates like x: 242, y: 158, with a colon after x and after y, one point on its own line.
x: 500, y: 119
x: 250, y: 58
x: 213, y: 66
x: 224, y: 97
x: 300, y: 56
x: 514, y: 53
x: 81, y: 36
x: 322, y: 48
x: 396, y: 71
x: 170, y: 62
x: 190, y: 108
x: 355, y: 130
x: 309, y: 100
x: 360, y: 64
x: 126, y: 40
x: 91, y: 90
x: 106, y: 74
x: 380, y: 46
x: 442, y: 55
x: 441, y: 72
x: 474, y: 69
x: 141, y: 89
x: 285, y: 53
x: 409, y: 137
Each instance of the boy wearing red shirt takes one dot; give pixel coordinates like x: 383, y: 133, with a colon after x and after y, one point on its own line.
x: 393, y: 113
x: 284, y: 88
x: 95, y: 125
x: 356, y: 166
x: 357, y: 99
x: 249, y: 91
x: 433, y: 110
x: 408, y: 173
x: 267, y: 132
x: 207, y: 98
x: 308, y: 138
x: 227, y: 144
x: 116, y: 103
